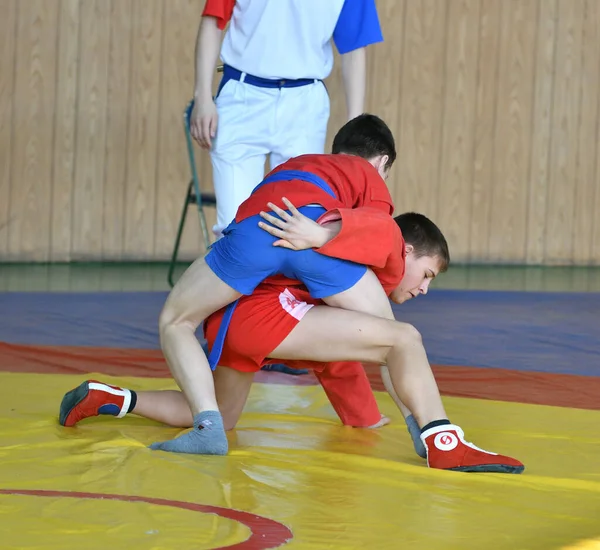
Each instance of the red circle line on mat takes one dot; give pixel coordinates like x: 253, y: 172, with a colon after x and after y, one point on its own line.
x: 265, y: 533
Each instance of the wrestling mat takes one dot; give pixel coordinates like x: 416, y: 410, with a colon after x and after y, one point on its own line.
x: 520, y: 372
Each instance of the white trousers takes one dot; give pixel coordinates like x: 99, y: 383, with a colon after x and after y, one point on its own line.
x: 258, y: 122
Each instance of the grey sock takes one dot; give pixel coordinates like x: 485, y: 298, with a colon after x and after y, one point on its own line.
x: 415, y: 434
x: 206, y: 438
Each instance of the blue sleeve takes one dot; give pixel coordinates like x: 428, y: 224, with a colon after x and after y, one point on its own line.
x: 357, y: 27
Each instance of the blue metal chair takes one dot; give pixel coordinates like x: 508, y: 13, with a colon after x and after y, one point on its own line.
x: 193, y: 196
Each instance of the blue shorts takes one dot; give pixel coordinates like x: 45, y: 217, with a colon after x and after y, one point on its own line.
x: 245, y: 256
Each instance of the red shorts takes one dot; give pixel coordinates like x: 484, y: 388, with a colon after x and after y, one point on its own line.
x: 262, y: 321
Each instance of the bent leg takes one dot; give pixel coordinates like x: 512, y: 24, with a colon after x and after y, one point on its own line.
x: 170, y: 407
x: 166, y: 406
x: 330, y: 334
x: 94, y: 397
x: 368, y: 296
x: 198, y: 294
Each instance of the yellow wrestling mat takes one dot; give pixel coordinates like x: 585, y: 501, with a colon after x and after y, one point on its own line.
x: 294, y: 478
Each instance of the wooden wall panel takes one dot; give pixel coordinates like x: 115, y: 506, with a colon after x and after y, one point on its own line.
x: 540, y: 161
x: 33, y: 129
x: 455, y: 180
x: 513, y: 131
x: 63, y: 175
x: 586, y: 176
x: 495, y: 106
x: 485, y: 99
x: 90, y: 165
x: 385, y: 62
x: 419, y: 135
x: 565, y: 129
x: 117, y: 129
x: 594, y: 241
x: 142, y: 146
x: 177, y: 85
x: 8, y: 20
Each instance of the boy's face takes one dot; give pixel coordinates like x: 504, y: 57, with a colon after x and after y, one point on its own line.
x: 418, y: 274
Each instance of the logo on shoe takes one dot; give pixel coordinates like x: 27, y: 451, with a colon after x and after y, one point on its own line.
x: 445, y: 441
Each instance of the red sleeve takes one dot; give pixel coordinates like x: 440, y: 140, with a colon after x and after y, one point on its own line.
x: 370, y: 237
x: 349, y: 392
x: 221, y: 9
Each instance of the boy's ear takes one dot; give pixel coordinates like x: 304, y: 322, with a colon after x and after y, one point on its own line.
x: 379, y: 161
x: 408, y: 248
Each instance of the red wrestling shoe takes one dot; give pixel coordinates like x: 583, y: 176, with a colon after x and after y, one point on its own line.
x: 448, y: 450
x: 91, y: 399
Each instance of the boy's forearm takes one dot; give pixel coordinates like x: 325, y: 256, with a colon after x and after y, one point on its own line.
x: 354, y: 76
x: 207, y: 52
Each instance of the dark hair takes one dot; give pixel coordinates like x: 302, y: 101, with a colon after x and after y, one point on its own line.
x: 365, y: 136
x: 424, y: 236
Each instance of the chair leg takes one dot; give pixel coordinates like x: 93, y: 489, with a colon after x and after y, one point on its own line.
x: 204, y: 227
x: 179, y: 233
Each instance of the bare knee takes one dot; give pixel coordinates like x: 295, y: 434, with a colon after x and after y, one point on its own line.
x: 406, y: 336
x: 392, y: 337
x: 166, y: 321
x: 172, y: 318
x: 198, y: 294
x: 409, y: 334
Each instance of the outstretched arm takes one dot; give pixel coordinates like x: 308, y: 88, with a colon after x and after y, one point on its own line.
x: 354, y: 76
x: 203, y: 122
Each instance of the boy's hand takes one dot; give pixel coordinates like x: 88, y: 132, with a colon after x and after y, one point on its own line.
x: 203, y: 122
x: 296, y: 231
